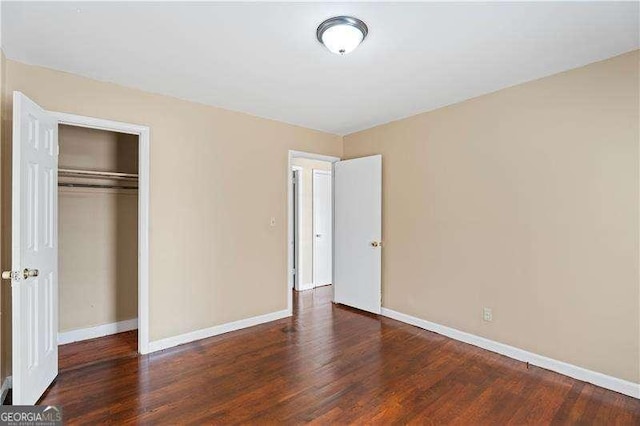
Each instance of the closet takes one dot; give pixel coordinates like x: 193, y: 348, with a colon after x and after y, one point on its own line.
x: 97, y: 232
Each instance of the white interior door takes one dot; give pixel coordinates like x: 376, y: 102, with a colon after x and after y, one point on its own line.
x: 34, y: 276
x: 358, y: 232
x: 322, y: 228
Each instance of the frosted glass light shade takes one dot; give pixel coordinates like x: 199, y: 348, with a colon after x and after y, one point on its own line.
x: 342, y: 34
x: 342, y: 39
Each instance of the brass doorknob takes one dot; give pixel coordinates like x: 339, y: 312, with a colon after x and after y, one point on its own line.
x: 28, y: 273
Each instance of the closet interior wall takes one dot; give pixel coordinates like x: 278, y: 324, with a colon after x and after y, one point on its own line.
x: 98, y: 231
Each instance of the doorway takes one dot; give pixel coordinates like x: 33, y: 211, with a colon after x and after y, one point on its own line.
x: 311, y: 220
x: 97, y: 242
x: 120, y: 180
x: 354, y: 228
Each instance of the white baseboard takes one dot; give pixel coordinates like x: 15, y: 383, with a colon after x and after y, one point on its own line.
x: 598, y: 379
x: 311, y: 286
x: 6, y: 385
x: 307, y: 286
x: 192, y: 336
x: 97, y: 331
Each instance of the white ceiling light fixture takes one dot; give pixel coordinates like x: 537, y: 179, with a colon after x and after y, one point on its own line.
x: 342, y: 34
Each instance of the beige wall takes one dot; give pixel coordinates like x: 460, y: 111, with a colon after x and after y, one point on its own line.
x: 525, y: 201
x: 92, y: 149
x: 98, y: 245
x: 306, y: 218
x: 97, y: 257
x: 216, y: 177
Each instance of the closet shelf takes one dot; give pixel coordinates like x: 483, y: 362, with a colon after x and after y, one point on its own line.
x: 97, y: 174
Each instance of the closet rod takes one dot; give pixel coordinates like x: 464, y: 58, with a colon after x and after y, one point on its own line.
x: 97, y: 174
x: 90, y: 185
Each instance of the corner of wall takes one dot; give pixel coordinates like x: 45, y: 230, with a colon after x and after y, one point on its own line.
x: 5, y: 219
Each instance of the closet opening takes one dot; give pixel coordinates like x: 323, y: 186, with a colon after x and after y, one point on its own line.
x: 98, y: 220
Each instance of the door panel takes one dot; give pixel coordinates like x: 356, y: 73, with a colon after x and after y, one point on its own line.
x: 322, y: 228
x: 34, y: 247
x: 358, y: 232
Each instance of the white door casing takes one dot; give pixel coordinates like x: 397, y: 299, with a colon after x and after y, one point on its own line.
x: 296, y: 227
x: 358, y: 233
x: 322, y: 228
x: 34, y: 247
x: 144, y: 140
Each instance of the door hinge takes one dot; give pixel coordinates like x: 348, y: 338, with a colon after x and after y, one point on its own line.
x: 58, y: 150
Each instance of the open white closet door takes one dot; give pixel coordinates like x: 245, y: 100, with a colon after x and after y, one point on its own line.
x: 358, y: 232
x: 34, y: 243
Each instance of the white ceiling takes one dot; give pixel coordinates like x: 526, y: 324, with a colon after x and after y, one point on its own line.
x: 263, y: 58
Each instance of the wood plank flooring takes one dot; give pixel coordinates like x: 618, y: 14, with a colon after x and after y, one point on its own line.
x: 326, y: 365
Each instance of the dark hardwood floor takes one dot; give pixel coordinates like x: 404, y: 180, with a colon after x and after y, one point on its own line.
x: 326, y: 364
x: 95, y: 351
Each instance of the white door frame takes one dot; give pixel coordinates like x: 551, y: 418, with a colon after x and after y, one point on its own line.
x: 296, y: 232
x: 311, y: 156
x: 143, y: 207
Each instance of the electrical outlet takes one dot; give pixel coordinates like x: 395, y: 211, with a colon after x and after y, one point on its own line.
x: 487, y: 314
x: 272, y: 222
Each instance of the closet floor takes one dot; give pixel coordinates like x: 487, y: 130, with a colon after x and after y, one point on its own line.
x: 94, y: 351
